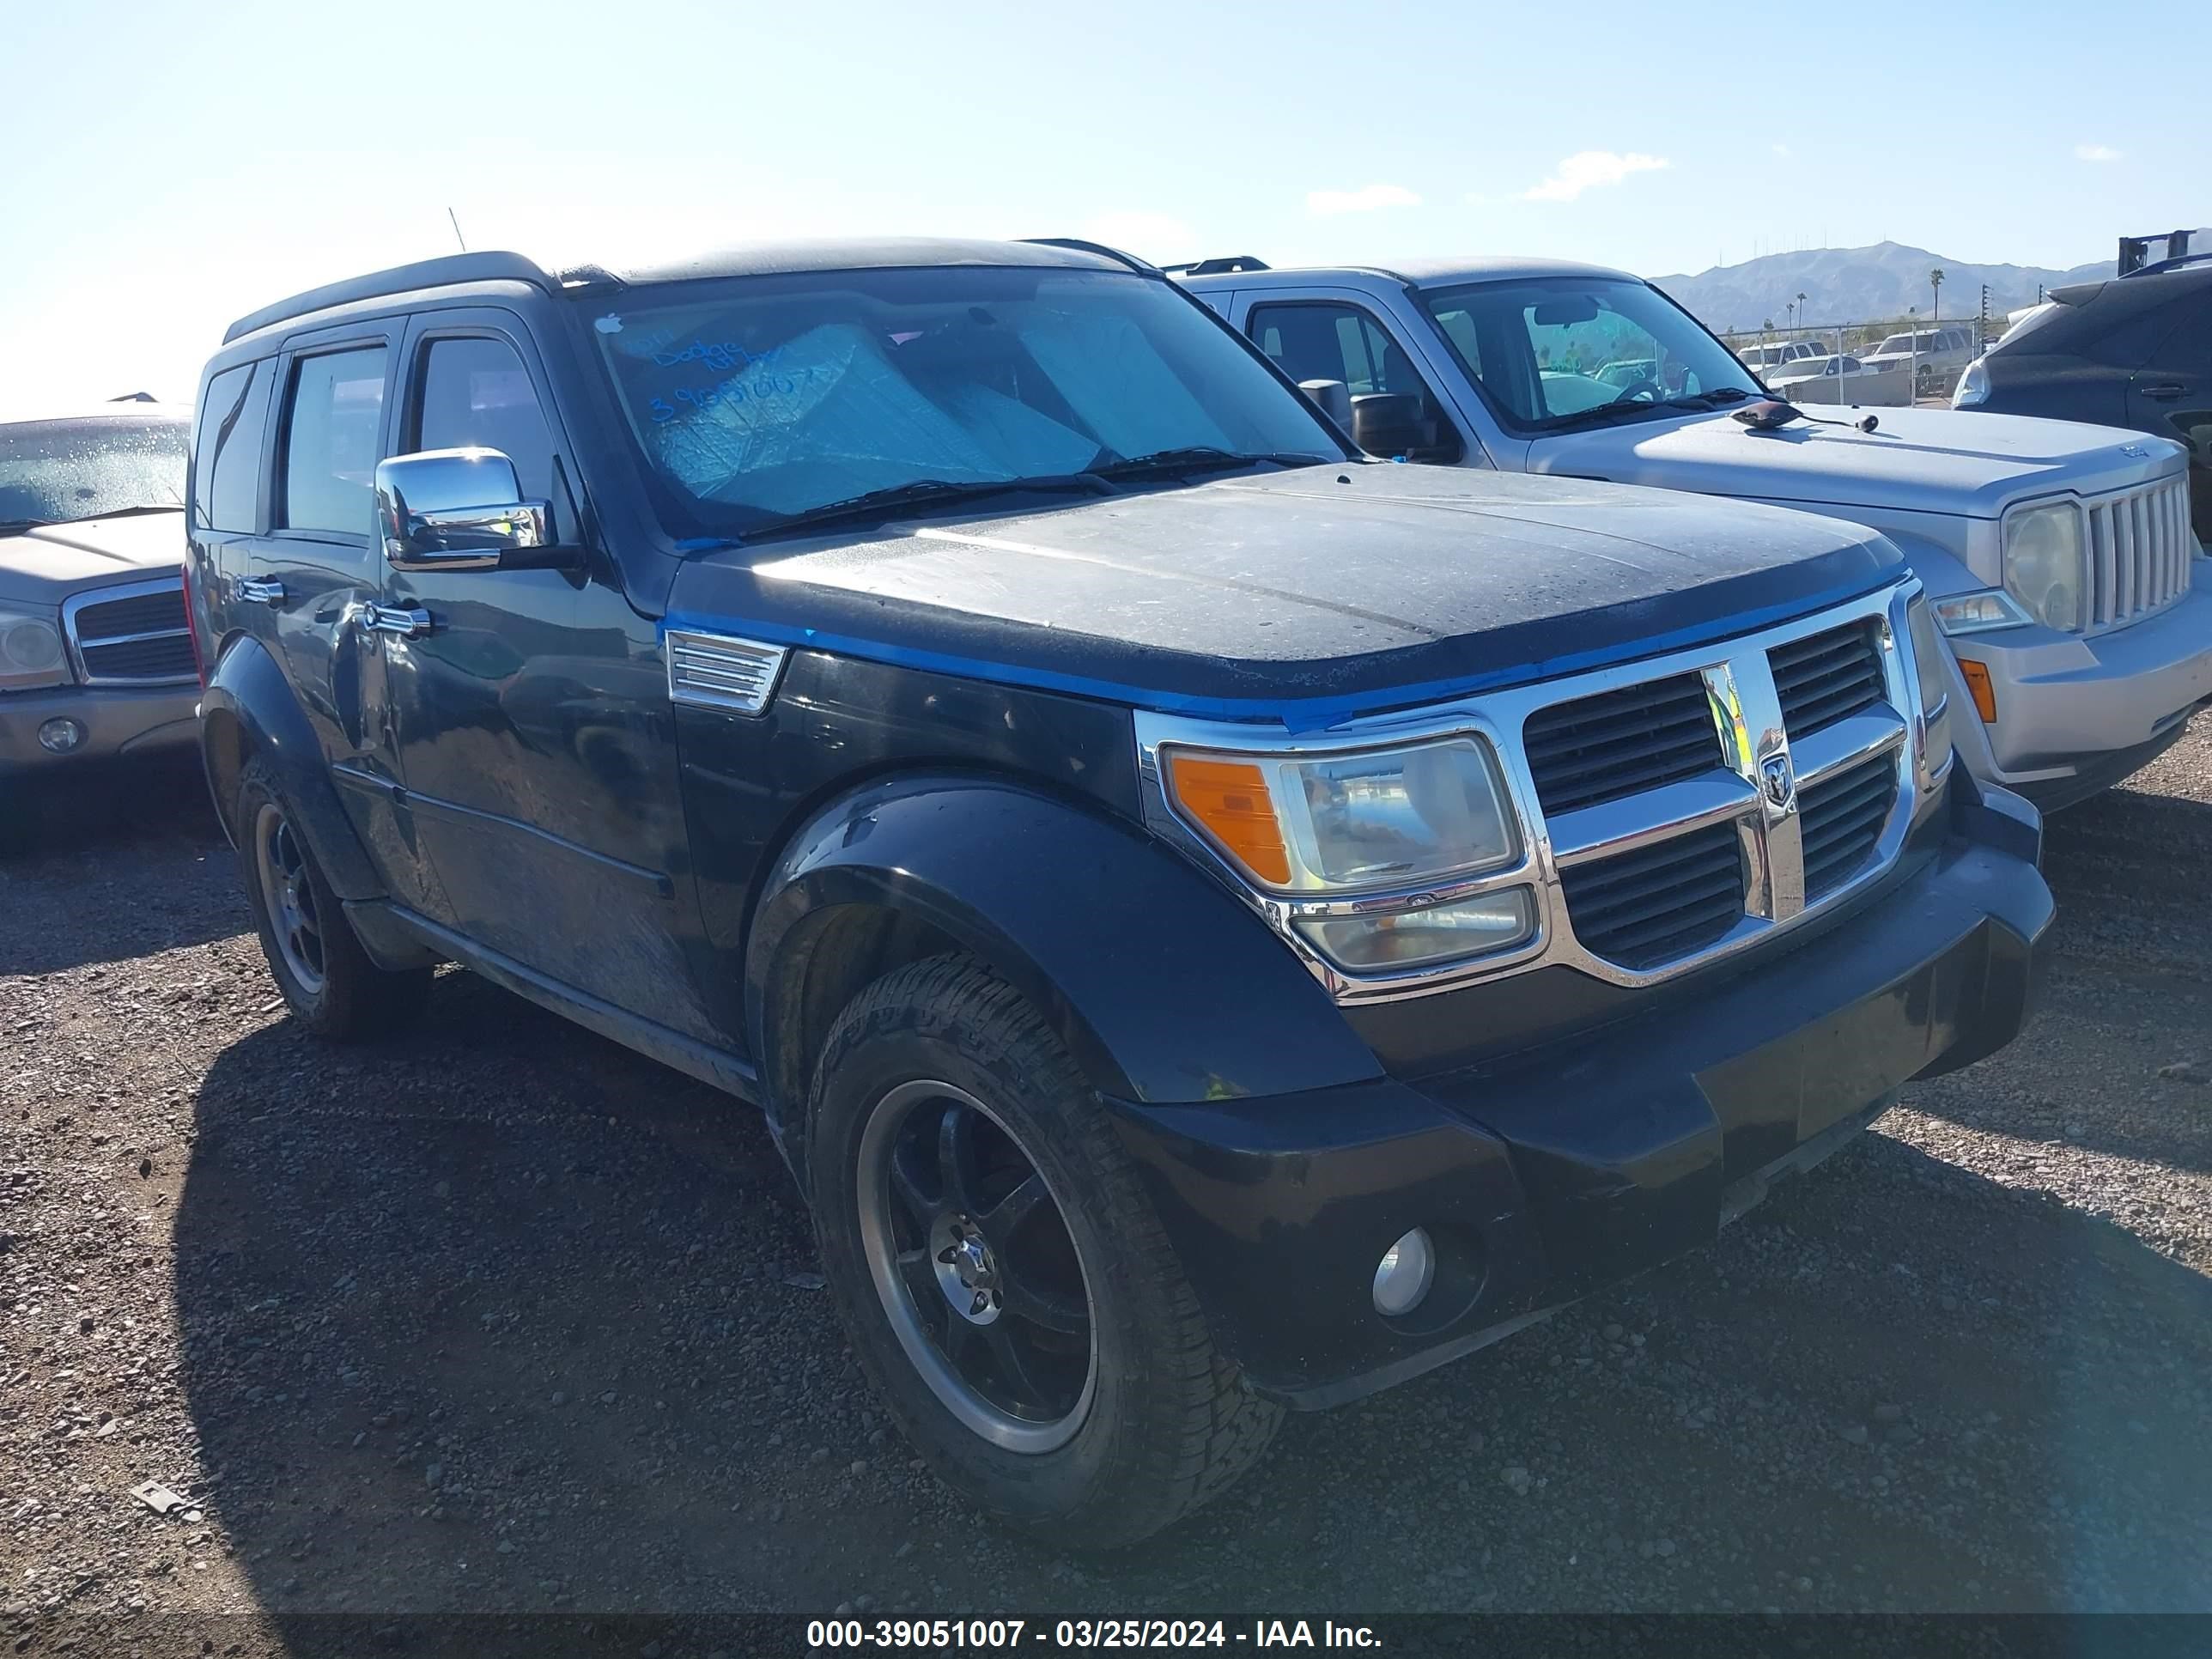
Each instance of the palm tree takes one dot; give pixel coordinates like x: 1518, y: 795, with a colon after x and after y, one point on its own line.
x: 1936, y: 289
x: 1800, y: 311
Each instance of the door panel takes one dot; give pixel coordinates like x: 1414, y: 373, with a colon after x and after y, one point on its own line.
x: 532, y: 723
x: 317, y: 569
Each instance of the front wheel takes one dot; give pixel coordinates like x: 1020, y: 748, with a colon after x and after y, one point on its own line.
x: 1004, y: 1281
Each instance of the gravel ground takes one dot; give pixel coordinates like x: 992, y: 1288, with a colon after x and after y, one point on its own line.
x: 502, y: 1318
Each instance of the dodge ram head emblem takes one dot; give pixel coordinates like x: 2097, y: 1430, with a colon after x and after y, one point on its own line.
x: 1779, y: 781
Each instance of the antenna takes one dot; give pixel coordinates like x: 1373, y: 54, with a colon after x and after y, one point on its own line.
x: 458, y: 237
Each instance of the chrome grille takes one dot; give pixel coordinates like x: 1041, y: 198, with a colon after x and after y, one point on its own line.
x: 1647, y: 844
x: 1661, y: 902
x: 1842, y: 816
x: 1823, y: 680
x: 2138, y: 549
x: 1602, y: 748
x: 133, y: 634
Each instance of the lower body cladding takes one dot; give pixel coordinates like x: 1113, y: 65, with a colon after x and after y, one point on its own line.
x: 2077, y: 713
x: 49, y: 733
x: 1539, y: 1178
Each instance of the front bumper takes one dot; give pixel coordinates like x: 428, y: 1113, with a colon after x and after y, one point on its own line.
x: 2076, y: 714
x: 1553, y: 1172
x: 119, y: 722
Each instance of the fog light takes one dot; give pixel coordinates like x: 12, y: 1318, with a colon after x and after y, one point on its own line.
x: 1403, y: 1276
x: 58, y: 737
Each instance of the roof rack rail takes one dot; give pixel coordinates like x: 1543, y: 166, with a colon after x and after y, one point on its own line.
x: 440, y: 272
x: 2136, y: 250
x: 1226, y: 265
x: 1081, y: 246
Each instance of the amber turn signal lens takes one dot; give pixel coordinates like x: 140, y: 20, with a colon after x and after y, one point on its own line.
x: 1230, y: 800
x: 1977, y: 682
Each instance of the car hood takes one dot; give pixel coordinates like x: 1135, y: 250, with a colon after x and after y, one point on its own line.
x: 1917, y: 461
x: 1303, y: 595
x: 46, y: 565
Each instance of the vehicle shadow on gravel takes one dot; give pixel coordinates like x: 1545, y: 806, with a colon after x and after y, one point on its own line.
x: 2118, y: 1058
x: 501, y: 1318
x: 106, y: 868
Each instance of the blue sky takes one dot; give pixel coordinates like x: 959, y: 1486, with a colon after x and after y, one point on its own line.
x: 172, y: 166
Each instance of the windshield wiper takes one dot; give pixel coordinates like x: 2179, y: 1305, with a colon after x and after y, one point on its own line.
x: 1193, y: 458
x: 927, y: 493
x: 16, y: 527
x: 1719, y: 397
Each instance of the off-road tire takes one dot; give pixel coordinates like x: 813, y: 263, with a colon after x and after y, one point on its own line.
x: 357, y: 999
x: 1171, y: 1422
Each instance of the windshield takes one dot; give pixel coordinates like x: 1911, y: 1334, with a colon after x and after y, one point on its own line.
x: 762, y: 398
x: 53, y: 471
x: 1549, y: 351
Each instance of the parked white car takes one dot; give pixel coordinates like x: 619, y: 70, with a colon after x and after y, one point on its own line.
x: 1773, y: 357
x: 1936, y: 356
x: 1844, y: 380
x: 2019, y: 527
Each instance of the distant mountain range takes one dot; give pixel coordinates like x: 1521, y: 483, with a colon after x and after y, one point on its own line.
x: 1859, y: 284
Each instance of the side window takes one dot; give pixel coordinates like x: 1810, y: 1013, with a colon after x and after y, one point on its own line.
x: 219, y: 407
x: 1318, y: 342
x: 227, y: 449
x: 476, y: 393
x: 330, y: 428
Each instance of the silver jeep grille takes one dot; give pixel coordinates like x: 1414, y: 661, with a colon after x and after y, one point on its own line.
x: 2138, y: 548
x: 132, y: 634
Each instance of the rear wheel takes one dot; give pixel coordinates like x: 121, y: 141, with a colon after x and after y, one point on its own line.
x: 327, y: 979
x: 1003, y: 1277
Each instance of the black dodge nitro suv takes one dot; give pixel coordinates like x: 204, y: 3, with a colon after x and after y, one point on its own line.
x: 1214, y: 923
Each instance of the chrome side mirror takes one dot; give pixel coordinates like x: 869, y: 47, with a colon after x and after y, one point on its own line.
x: 457, y: 509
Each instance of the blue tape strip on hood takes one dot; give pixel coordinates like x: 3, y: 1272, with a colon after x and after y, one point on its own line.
x: 1297, y: 715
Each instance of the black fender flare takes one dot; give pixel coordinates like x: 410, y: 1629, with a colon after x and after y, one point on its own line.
x: 1164, y: 987
x: 248, y: 706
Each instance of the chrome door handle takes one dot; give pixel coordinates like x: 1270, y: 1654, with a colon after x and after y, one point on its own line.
x: 254, y: 590
x: 2164, y: 391
x: 393, y: 619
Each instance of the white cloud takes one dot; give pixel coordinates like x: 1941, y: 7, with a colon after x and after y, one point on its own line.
x: 1588, y: 169
x: 1782, y: 150
x: 2096, y: 152
x: 1365, y: 199
x: 1149, y: 236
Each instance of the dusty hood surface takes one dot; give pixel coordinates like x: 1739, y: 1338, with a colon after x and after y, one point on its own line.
x: 1377, y: 584
x: 46, y: 565
x: 1919, y: 460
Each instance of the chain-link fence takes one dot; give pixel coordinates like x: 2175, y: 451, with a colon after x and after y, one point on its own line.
x: 1933, y: 352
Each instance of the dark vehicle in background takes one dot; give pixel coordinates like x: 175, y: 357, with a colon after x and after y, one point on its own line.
x: 2134, y: 350
x: 95, y: 660
x: 1213, y: 923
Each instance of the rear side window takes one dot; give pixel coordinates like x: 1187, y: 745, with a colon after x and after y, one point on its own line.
x: 227, y: 454
x: 330, y: 431
x: 476, y: 394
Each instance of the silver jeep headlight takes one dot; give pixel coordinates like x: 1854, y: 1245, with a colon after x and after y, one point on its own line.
x: 1368, y: 847
x: 2043, y: 566
x: 31, y: 653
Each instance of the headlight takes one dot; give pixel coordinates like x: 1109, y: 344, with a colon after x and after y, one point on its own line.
x: 1973, y: 387
x: 1978, y: 612
x: 1314, y: 829
x: 30, y: 652
x: 1928, y: 654
x: 2043, y: 563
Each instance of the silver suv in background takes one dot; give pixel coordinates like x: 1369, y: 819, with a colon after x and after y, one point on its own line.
x: 2078, y: 602
x: 96, y: 659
